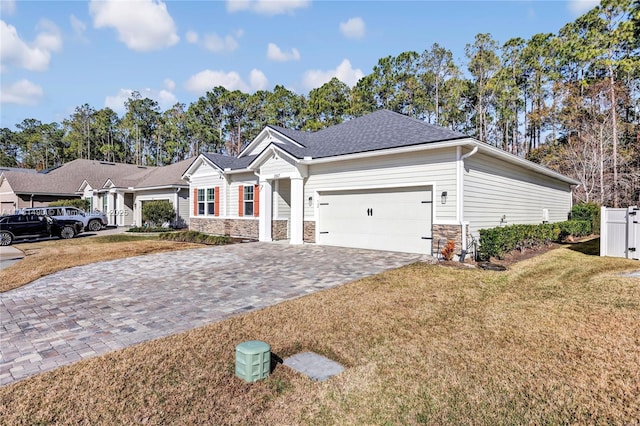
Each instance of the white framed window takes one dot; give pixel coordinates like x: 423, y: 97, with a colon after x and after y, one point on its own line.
x: 210, y: 201
x: 248, y: 200
x: 206, y: 202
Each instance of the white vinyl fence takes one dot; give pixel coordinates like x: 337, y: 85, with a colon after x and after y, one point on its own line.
x: 620, y: 232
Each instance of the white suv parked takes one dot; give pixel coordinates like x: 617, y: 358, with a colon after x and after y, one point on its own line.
x: 93, y: 221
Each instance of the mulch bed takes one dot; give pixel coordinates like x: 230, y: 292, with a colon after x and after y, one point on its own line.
x: 501, y: 264
x: 513, y: 257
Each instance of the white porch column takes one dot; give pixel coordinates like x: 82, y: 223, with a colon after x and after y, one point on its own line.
x: 119, y: 208
x: 297, y: 211
x: 137, y: 211
x: 265, y: 211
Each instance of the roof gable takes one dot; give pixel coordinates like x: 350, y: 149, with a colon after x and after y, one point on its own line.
x: 269, y: 135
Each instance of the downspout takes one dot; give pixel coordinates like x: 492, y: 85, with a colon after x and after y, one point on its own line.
x: 176, y: 200
x: 460, y: 193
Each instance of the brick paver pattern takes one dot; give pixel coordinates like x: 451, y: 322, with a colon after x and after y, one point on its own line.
x: 89, y: 310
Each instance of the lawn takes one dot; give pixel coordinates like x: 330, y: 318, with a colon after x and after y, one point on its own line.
x: 554, y: 340
x: 48, y: 256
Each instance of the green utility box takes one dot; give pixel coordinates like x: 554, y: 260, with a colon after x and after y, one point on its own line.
x: 253, y: 360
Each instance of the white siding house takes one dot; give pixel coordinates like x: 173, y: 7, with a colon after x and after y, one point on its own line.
x: 116, y: 189
x: 382, y: 181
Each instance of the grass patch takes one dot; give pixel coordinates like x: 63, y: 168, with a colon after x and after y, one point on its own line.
x: 554, y: 340
x: 590, y: 247
x: 46, y: 257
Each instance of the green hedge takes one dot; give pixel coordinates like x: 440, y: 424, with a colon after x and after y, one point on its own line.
x: 195, y: 237
x: 589, y: 212
x: 496, y: 242
x: 149, y: 229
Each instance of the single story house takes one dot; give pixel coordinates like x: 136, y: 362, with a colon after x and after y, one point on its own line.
x: 117, y: 189
x: 381, y: 181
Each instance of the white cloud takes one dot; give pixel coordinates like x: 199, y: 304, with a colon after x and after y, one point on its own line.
x: 141, y: 25
x: 49, y: 37
x: 344, y: 72
x: 267, y: 7
x: 275, y: 54
x: 79, y: 27
x: 578, y: 7
x: 353, y: 28
x: 217, y: 44
x: 165, y: 98
x: 22, y: 92
x: 169, y: 84
x: 7, y: 7
x: 206, y: 80
x: 116, y: 102
x: 258, y: 80
x: 33, y: 56
x: 192, y: 37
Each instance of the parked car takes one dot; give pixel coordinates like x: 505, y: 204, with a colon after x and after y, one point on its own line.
x: 25, y: 226
x: 93, y: 221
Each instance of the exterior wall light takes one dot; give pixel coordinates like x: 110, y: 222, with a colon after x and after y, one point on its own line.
x: 443, y: 197
x: 310, y: 201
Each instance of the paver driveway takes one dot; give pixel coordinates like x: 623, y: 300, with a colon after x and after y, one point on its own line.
x: 89, y: 310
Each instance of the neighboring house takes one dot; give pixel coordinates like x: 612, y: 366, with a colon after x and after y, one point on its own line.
x: 10, y: 197
x: 382, y: 181
x: 117, y: 189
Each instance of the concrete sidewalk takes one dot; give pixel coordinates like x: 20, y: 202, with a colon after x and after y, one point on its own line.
x: 9, y: 255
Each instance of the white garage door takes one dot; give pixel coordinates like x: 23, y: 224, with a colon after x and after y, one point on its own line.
x: 394, y: 219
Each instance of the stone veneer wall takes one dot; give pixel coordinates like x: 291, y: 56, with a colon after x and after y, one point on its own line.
x: 248, y: 228
x: 245, y: 228
x: 444, y: 233
x: 280, y: 229
x: 309, y: 231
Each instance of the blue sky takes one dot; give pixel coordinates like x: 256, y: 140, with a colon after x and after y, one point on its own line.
x: 57, y: 55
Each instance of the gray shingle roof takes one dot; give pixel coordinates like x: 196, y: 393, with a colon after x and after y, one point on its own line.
x: 68, y: 178
x: 166, y: 175
x: 382, y: 129
x: 228, y: 162
x: 37, y: 183
x: 17, y: 169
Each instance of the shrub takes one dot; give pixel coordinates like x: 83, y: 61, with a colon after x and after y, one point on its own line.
x: 589, y: 212
x: 148, y: 229
x: 78, y: 203
x: 157, y: 212
x: 496, y: 242
x: 195, y: 237
x: 448, y: 250
x: 574, y: 228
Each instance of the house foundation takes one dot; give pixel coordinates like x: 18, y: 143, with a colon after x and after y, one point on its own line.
x: 242, y: 228
x: 444, y: 233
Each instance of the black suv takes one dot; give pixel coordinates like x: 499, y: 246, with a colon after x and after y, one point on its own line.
x: 24, y: 226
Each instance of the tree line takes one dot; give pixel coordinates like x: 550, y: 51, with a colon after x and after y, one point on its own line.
x: 570, y: 101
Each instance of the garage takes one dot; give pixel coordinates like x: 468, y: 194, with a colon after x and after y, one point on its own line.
x: 394, y: 219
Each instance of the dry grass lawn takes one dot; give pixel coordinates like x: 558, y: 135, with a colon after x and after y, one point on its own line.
x: 554, y: 340
x: 49, y: 256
